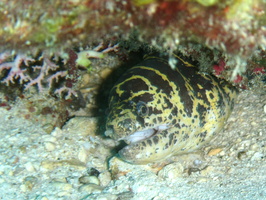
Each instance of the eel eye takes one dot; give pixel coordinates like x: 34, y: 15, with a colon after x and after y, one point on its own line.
x: 131, y: 103
x: 142, y: 109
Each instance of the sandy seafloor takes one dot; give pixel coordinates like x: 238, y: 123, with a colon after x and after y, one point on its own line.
x: 41, y: 166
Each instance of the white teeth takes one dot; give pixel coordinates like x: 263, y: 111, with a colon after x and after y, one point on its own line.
x: 144, y: 134
x: 162, y: 127
x: 139, y: 135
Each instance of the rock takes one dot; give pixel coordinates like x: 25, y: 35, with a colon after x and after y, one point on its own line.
x: 214, y: 152
x: 85, y: 80
x: 254, y: 124
x: 82, y: 126
x: 83, y: 154
x: 49, y: 138
x: 89, y: 179
x: 90, y: 188
x: 105, y: 72
x: 49, y: 146
x: 29, y: 167
x: 172, y: 171
x: 56, y: 133
x: 105, y: 178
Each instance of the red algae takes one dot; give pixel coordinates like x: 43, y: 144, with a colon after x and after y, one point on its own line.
x: 232, y: 26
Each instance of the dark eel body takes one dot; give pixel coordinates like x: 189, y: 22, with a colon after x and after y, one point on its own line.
x: 159, y: 111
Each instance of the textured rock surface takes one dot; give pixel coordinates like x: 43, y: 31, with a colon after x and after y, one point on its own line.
x: 231, y: 26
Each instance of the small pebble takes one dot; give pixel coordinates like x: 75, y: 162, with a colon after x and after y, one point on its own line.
x: 83, y: 154
x: 11, y: 173
x: 83, y: 126
x: 105, y: 178
x: 49, y: 146
x: 48, y: 138
x: 50, y: 165
x: 253, y: 124
x: 105, y: 72
x: 63, y: 194
x: 222, y: 153
x: 265, y: 108
x: 214, y: 152
x: 89, y: 179
x: 245, y: 143
x: 172, y: 171
x: 255, y: 147
x: 48, y: 128
x: 24, y: 188
x: 98, y: 162
x: 57, y: 132
x: 202, y: 180
x: 90, y: 188
x: 29, y: 167
x: 85, y: 80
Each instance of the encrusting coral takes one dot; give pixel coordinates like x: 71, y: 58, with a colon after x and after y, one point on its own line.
x: 233, y: 26
x: 28, y: 28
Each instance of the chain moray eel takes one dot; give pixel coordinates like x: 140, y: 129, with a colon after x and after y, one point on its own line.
x: 159, y: 111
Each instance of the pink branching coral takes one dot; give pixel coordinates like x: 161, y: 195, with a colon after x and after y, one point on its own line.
x: 19, y: 70
x: 15, y: 71
x: 45, y: 73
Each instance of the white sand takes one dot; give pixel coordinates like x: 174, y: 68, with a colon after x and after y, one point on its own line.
x: 36, y: 165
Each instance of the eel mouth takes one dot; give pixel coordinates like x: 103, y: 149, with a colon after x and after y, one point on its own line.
x: 141, y: 135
